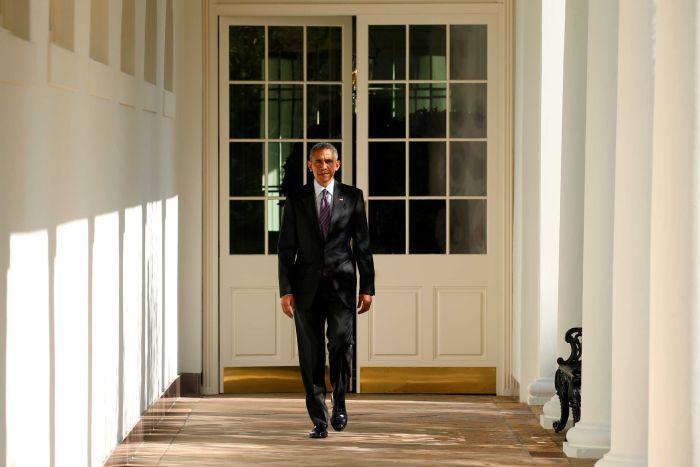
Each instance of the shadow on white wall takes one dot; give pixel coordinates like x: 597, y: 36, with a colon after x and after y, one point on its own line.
x: 90, y: 336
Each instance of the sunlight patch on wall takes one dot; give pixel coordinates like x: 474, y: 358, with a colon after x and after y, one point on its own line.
x: 154, y: 299
x: 70, y: 286
x: 132, y: 302
x: 27, y: 350
x: 105, y: 336
x: 171, y: 309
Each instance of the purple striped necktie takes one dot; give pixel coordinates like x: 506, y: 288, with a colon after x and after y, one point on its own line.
x: 324, y: 215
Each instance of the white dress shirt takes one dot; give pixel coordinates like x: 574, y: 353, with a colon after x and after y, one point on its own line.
x: 318, y: 189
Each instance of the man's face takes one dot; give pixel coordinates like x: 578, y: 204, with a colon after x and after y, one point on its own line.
x: 323, y: 164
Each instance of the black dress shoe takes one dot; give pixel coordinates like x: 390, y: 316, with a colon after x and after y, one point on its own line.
x: 339, y: 419
x: 319, y: 431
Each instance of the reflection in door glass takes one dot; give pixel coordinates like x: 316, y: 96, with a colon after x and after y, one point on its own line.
x: 387, y: 169
x: 468, y: 226
x: 428, y: 60
x: 246, y: 52
x: 468, y: 110
x: 387, y: 226
x: 387, y: 110
x: 284, y: 167
x: 426, y: 226
x: 246, y: 227
x: 427, y: 168
x: 247, y: 108
x: 245, y: 169
x: 274, y: 220
x: 285, y: 53
x: 286, y: 105
x: 468, y: 51
x: 428, y: 110
x: 323, y: 111
x: 387, y: 52
x: 324, y: 53
x: 468, y: 168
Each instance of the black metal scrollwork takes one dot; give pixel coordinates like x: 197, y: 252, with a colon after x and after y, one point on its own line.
x: 567, y: 380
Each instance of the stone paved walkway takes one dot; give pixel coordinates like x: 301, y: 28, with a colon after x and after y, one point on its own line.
x: 418, y: 430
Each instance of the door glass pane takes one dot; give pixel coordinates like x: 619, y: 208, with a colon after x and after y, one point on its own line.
x: 286, y: 105
x: 427, y: 168
x: 468, y: 168
x: 247, y: 107
x: 324, y: 49
x: 387, y: 111
x: 468, y: 51
x: 286, y: 53
x: 428, y: 58
x: 387, y: 169
x: 428, y: 110
x: 468, y: 226
x: 468, y: 110
x: 274, y: 220
x: 387, y: 226
x: 338, y: 173
x: 245, y: 169
x: 324, y: 107
x: 387, y: 52
x: 427, y: 231
x: 247, y: 227
x: 246, y: 52
x: 284, y: 167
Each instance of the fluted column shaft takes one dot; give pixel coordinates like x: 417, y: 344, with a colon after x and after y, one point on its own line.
x: 572, y: 180
x: 674, y: 345
x: 630, y: 296
x: 590, y: 438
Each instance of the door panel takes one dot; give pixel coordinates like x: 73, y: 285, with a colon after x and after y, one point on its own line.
x: 285, y: 84
x: 429, y: 157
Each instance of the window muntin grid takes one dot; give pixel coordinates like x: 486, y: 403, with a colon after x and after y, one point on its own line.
x: 277, y: 84
x: 439, y: 116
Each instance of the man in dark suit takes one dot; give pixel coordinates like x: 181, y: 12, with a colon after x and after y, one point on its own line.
x: 318, y: 282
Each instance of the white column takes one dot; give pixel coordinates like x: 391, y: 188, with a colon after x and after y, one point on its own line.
x: 541, y: 389
x: 674, y: 341
x: 591, y: 436
x: 530, y: 19
x: 540, y: 149
x: 572, y: 178
x: 630, y: 320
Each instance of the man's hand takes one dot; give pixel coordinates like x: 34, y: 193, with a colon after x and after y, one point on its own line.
x: 364, y: 301
x: 288, y: 305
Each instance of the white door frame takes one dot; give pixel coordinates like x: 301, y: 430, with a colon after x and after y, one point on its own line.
x: 213, y: 9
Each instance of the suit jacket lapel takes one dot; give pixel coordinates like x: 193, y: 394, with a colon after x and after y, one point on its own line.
x: 310, y: 205
x: 338, y: 205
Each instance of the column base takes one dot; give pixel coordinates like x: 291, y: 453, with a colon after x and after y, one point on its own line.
x: 622, y: 461
x: 587, y: 441
x: 552, y: 413
x: 541, y: 390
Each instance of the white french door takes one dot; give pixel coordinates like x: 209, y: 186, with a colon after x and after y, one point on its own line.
x: 430, y: 160
x: 284, y: 84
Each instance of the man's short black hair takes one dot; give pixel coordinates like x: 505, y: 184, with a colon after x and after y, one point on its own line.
x: 321, y: 147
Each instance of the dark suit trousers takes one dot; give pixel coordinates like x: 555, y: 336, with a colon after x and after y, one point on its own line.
x: 326, y: 307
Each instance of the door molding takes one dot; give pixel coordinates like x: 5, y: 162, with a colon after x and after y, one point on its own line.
x: 212, y: 10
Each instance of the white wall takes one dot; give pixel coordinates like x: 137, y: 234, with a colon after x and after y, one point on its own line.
x: 100, y: 220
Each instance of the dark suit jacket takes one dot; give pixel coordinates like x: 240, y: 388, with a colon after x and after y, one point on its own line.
x: 303, y: 254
